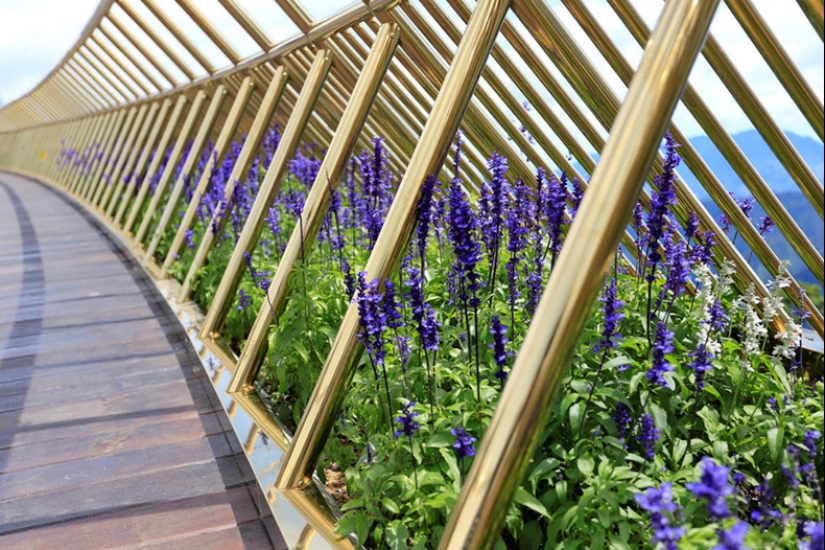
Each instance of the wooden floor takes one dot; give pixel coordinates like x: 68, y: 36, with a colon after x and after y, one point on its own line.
x: 110, y: 435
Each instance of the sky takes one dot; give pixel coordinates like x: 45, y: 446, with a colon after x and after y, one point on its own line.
x: 35, y: 34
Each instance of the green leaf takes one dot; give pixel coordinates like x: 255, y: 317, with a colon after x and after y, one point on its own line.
x: 390, y: 505
x: 576, y: 416
x: 397, y: 535
x: 679, y: 449
x: 585, y: 465
x: 526, y: 499
x: 531, y: 536
x: 440, y: 440
x: 775, y: 440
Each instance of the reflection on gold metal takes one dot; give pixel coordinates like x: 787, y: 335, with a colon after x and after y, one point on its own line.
x: 207, y: 27
x: 814, y: 10
x: 213, y: 162
x: 148, y: 146
x: 139, y: 46
x: 542, y: 360
x: 427, y: 159
x: 189, y: 164
x: 248, y: 23
x: 317, y: 201
x: 239, y: 172
x: 179, y: 35
x: 270, y: 187
x: 160, y: 152
x: 119, y: 154
x: 134, y: 146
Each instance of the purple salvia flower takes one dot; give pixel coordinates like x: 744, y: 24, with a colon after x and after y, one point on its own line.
x: 660, y: 204
x: 816, y: 532
x: 701, y: 364
x: 662, y: 346
x: 810, y: 442
x: 692, y: 226
x: 499, y: 332
x: 659, y: 502
x: 424, y: 214
x: 189, y: 235
x: 464, y: 443
x: 407, y: 420
x: 648, y: 436
x: 576, y: 195
x: 766, y: 225
x: 622, y: 417
x: 517, y: 219
x: 612, y: 315
x: 244, y: 300
x: 467, y: 251
x: 733, y: 538
x: 714, y: 487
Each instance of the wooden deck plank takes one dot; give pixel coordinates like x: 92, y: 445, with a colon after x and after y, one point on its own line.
x: 110, y: 433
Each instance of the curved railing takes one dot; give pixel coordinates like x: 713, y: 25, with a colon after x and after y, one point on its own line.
x: 139, y: 116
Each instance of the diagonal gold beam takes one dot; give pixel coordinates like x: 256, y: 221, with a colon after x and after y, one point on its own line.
x: 428, y: 157
x: 511, y: 438
x: 239, y: 172
x: 270, y: 187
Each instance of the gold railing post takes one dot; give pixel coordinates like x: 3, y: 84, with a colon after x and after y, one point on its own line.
x: 215, y: 157
x: 427, y: 159
x: 269, y: 190
x: 189, y: 164
x: 317, y: 201
x: 511, y: 438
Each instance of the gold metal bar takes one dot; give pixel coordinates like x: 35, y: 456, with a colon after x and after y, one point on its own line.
x: 148, y: 147
x: 112, y: 159
x: 189, y: 164
x: 119, y: 157
x: 450, y: 105
x: 89, y: 57
x: 94, y: 144
x: 81, y: 98
x: 112, y: 65
x: 142, y: 49
x: 160, y: 153
x: 296, y: 12
x: 248, y: 24
x: 270, y: 187
x: 79, y: 133
x: 129, y: 72
x: 85, y: 139
x: 108, y: 138
x: 239, y: 172
x: 780, y: 62
x: 317, y: 201
x: 736, y: 158
x: 511, y: 438
x: 179, y: 35
x: 709, y: 181
x: 814, y: 10
x: 169, y: 170
x: 207, y: 27
x: 214, y: 161
x: 144, y: 26
x: 75, y: 75
x: 113, y: 193
x: 131, y: 57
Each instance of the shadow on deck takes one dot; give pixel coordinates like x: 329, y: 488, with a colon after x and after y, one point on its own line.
x: 110, y: 433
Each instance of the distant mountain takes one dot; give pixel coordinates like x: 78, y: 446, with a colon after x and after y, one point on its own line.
x: 801, y: 211
x: 762, y: 158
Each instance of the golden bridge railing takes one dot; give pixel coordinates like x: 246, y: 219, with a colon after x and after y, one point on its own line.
x: 139, y: 80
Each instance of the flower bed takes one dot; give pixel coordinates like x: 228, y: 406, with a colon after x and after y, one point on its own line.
x: 682, y: 421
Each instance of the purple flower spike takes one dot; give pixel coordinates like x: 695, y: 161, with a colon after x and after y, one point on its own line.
x: 464, y: 443
x: 648, y: 436
x: 714, y: 487
x: 659, y: 502
x: 733, y: 538
x: 407, y: 420
x: 612, y: 315
x: 662, y: 347
x: 499, y: 332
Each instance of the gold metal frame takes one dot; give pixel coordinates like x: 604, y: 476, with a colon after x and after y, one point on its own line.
x: 403, y: 70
